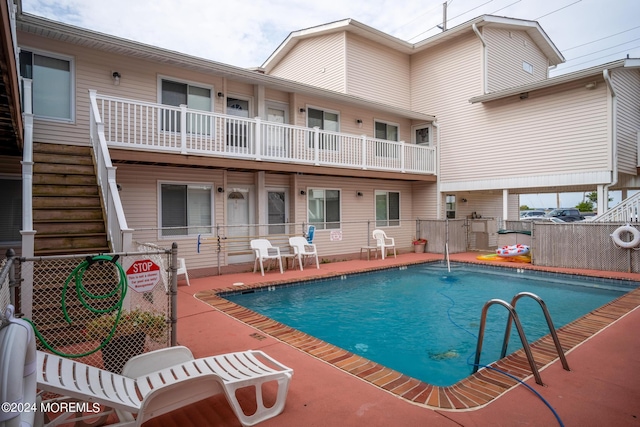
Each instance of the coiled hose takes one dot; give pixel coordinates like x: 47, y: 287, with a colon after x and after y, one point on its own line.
x: 83, y: 294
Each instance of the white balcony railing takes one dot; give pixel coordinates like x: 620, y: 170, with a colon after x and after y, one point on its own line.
x: 147, y: 126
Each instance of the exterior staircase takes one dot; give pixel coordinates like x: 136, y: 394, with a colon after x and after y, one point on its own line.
x: 626, y: 211
x: 67, y: 209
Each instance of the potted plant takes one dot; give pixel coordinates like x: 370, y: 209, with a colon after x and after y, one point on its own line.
x: 128, y: 337
x: 419, y: 245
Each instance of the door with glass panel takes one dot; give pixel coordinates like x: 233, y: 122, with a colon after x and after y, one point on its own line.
x: 276, y: 137
x: 238, y: 130
x: 277, y: 209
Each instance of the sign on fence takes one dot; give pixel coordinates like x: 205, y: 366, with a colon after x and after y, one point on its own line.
x: 143, y: 275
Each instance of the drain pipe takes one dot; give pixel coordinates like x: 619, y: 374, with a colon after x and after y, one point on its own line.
x: 484, y: 58
x: 439, y: 198
x: 614, y: 144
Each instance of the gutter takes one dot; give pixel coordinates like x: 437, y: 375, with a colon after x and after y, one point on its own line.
x: 484, y: 57
x: 614, y: 142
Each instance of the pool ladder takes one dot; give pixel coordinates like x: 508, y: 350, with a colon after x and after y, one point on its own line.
x: 525, y: 344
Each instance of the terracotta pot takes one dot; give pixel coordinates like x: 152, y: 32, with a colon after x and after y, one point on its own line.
x: 419, y: 249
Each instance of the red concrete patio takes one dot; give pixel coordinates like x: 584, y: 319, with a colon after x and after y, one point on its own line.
x: 602, y: 387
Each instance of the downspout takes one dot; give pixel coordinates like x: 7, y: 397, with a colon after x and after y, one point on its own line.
x: 439, y: 198
x: 484, y: 58
x: 614, y: 144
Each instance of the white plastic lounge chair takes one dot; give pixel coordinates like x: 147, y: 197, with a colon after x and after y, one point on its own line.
x: 161, y: 381
x: 264, y: 252
x: 302, y: 250
x: 384, y: 242
x: 182, y: 269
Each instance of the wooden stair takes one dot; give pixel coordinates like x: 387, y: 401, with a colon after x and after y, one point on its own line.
x: 67, y: 209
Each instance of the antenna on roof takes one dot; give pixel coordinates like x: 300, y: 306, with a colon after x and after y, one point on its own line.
x: 443, y: 27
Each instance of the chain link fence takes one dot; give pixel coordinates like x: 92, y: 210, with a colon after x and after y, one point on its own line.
x: 101, y: 309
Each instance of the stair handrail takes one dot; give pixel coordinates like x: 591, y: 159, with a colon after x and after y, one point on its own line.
x: 120, y: 235
x: 547, y: 316
x: 626, y: 211
x: 525, y: 344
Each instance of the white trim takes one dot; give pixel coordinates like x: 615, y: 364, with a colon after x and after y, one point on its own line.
x: 308, y: 190
x: 162, y: 77
x: 212, y: 192
x: 375, y: 207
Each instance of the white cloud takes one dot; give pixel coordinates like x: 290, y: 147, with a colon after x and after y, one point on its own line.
x: 244, y: 33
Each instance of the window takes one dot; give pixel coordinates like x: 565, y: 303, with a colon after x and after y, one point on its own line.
x: 195, y: 98
x: 422, y: 135
x: 186, y: 209
x: 325, y: 120
x: 450, y: 206
x: 324, y: 208
x: 388, y: 132
x: 527, y: 67
x: 11, y: 218
x: 52, y: 84
x: 387, y: 208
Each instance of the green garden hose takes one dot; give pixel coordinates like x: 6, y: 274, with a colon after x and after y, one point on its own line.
x: 82, y: 293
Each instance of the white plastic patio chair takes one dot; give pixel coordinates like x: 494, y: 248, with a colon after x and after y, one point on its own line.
x: 182, y: 269
x: 161, y: 381
x: 264, y: 251
x: 302, y: 250
x: 383, y: 242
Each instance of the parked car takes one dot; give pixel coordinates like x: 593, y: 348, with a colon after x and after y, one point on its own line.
x: 529, y: 215
x: 566, y: 214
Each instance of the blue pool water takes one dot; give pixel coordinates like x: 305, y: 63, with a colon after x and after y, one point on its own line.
x: 423, y: 320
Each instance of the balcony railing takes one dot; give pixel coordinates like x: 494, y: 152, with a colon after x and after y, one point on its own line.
x: 148, y: 126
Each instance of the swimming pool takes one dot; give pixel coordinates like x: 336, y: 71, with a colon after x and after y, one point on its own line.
x: 422, y: 320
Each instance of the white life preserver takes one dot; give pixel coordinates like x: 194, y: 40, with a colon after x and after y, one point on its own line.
x: 18, y: 363
x: 616, y: 236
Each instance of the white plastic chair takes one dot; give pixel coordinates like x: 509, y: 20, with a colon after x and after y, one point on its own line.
x: 302, y: 250
x: 264, y: 252
x: 161, y: 381
x: 182, y: 269
x: 383, y: 242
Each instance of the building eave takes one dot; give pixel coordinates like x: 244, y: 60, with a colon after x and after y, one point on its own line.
x: 54, y: 30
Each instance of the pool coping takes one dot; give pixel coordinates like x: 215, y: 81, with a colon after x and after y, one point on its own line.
x: 473, y: 392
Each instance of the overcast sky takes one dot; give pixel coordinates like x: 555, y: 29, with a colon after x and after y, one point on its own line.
x: 245, y: 32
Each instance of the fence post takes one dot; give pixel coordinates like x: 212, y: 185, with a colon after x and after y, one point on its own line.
x: 219, y: 247
x: 174, y: 294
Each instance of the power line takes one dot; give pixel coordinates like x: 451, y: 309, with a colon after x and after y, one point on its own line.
x: 602, y: 50
x: 596, y: 59
x: 557, y: 10
x: 457, y: 16
x: 603, y: 38
x: 503, y: 8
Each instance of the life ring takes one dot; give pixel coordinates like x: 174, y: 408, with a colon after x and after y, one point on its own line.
x: 616, y: 236
x: 512, y: 250
x: 19, y: 362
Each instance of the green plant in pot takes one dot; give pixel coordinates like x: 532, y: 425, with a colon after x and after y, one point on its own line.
x: 128, y: 337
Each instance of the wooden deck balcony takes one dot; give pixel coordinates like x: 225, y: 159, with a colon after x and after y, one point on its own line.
x: 137, y: 125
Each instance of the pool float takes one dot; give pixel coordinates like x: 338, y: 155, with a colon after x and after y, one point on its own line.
x: 512, y: 250
x: 495, y: 257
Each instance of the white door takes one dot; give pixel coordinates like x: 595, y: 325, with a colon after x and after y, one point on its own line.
x: 240, y: 214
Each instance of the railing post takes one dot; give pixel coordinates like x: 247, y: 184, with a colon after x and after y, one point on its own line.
x: 403, y: 152
x: 27, y: 232
x: 364, y: 151
x: 183, y: 129
x: 316, y: 145
x: 258, y: 142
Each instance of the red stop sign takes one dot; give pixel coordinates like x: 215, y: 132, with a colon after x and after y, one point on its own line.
x: 143, y: 275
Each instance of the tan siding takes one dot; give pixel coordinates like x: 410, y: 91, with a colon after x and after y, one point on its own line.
x: 377, y: 72
x: 139, y: 195
x: 627, y: 87
x: 318, y: 61
x: 424, y: 200
x: 506, y: 51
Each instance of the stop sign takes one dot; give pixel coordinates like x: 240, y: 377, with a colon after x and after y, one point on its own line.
x: 143, y: 275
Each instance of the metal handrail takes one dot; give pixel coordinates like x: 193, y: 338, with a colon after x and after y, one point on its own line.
x: 552, y: 329
x: 523, y: 338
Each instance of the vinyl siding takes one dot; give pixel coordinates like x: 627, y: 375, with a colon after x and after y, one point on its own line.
x: 627, y: 87
x: 506, y: 51
x: 377, y: 72
x: 317, y: 61
x: 139, y: 197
